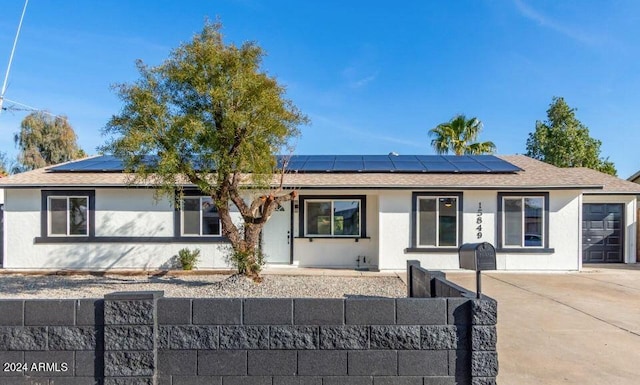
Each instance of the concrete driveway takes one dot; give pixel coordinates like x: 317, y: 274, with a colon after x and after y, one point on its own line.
x: 566, y: 328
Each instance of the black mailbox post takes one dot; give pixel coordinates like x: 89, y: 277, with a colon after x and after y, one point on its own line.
x: 477, y: 257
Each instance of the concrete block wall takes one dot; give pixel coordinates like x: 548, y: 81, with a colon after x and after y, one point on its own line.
x: 144, y: 339
x: 423, y: 283
x: 314, y: 341
x: 51, y: 342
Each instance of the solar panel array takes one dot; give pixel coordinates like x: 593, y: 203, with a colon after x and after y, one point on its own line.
x: 398, y: 163
x: 104, y: 163
x: 342, y: 163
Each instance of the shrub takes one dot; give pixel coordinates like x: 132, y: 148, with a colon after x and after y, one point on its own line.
x: 246, y: 262
x: 188, y: 258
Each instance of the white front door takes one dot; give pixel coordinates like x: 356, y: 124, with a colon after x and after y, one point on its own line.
x: 276, y: 236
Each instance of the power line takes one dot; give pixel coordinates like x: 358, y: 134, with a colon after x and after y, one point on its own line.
x: 13, y: 50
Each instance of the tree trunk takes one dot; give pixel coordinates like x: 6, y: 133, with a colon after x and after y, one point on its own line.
x: 246, y: 254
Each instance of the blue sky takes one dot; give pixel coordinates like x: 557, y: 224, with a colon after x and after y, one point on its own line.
x: 373, y: 76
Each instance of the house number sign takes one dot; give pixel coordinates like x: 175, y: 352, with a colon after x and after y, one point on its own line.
x: 479, y: 221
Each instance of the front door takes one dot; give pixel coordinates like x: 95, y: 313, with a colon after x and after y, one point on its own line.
x: 602, y: 235
x: 276, y: 236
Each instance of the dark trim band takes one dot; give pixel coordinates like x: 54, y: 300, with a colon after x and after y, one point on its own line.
x: 527, y: 250
x: 409, y: 250
x: 55, y: 240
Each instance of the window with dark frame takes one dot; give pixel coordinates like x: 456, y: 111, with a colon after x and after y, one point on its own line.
x: 333, y: 216
x: 199, y: 217
x: 523, y: 222
x: 437, y: 222
x: 67, y: 214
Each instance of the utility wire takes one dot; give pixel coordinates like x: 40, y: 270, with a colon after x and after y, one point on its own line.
x: 13, y: 50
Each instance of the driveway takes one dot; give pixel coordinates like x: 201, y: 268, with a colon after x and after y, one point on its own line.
x: 566, y: 328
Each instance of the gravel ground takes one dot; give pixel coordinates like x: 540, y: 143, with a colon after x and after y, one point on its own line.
x: 281, y: 286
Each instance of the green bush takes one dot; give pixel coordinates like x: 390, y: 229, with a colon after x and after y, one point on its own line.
x: 188, y: 258
x: 246, y: 262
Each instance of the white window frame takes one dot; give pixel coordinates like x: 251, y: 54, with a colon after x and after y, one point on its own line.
x: 437, y: 224
x: 68, y: 232
x: 199, y: 218
x: 332, y: 235
x: 522, y: 217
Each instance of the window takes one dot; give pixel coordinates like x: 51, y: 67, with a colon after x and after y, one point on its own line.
x: 524, y: 220
x: 68, y: 216
x: 437, y: 220
x: 200, y: 217
x: 67, y: 213
x: 341, y: 216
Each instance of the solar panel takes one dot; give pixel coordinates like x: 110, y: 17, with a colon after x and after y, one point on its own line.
x: 348, y: 165
x: 403, y: 158
x: 313, y: 165
x: 374, y: 157
x: 409, y: 166
x: 111, y: 165
x: 325, y: 158
x: 297, y: 160
x: 295, y: 165
x: 337, y: 163
x: 353, y: 158
x: 427, y: 159
x: 500, y: 166
x: 440, y: 167
x: 470, y: 167
x: 81, y: 165
x: 379, y: 165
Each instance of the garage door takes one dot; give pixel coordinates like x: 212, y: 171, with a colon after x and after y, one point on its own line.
x: 602, y: 236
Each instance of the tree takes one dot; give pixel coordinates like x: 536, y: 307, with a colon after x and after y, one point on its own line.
x: 44, y: 140
x: 459, y: 136
x: 563, y: 141
x: 209, y: 115
x: 4, y: 164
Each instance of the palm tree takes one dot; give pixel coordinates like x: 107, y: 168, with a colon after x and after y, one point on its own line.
x: 459, y: 136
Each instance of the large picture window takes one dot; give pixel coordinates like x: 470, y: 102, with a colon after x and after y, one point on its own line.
x: 68, y: 216
x: 524, y: 220
x: 327, y: 216
x: 200, y: 217
x: 437, y: 222
x: 333, y: 218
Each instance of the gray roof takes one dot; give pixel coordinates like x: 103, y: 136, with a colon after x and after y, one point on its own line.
x: 533, y: 175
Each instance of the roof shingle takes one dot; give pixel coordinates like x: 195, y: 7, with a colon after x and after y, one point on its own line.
x: 535, y: 175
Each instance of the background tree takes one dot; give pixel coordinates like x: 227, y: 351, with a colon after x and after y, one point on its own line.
x: 562, y: 140
x: 44, y: 140
x: 4, y: 164
x: 459, y: 136
x: 211, y: 115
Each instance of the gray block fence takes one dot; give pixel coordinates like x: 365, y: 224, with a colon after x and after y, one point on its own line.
x: 142, y: 338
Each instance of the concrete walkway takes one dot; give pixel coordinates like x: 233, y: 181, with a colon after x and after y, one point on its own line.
x: 566, y: 328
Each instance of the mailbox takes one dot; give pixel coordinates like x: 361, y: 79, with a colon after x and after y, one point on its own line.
x: 477, y: 256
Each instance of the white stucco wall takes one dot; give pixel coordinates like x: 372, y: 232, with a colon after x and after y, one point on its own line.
x: 119, y: 212
x: 564, y: 238
x: 630, y: 217
x: 564, y: 235
x: 395, y: 225
x: 394, y: 217
x: 135, y: 212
